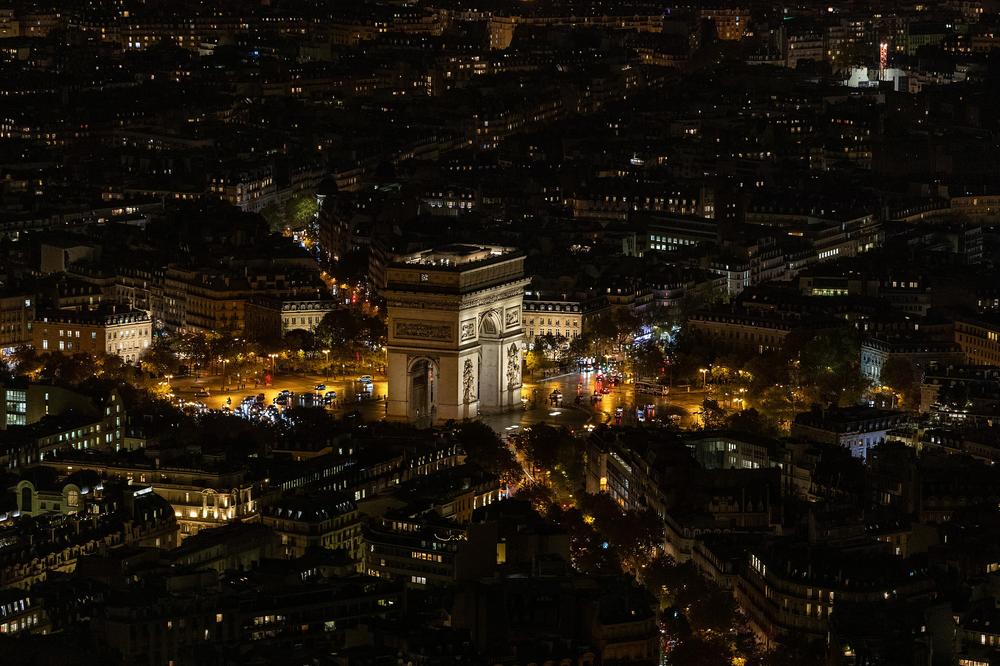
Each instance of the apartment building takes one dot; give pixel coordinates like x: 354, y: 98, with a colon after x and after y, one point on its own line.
x: 107, y: 330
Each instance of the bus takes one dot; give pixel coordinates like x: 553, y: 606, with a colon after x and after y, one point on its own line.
x: 651, y: 389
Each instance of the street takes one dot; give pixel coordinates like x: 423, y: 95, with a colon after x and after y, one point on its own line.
x: 685, y: 404
x: 348, y: 390
x: 680, y: 401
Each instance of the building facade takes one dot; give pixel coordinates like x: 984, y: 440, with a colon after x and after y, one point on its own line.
x: 17, y: 311
x: 559, y: 315
x: 857, y: 429
x: 126, y: 333
x: 980, y: 340
x: 875, y: 353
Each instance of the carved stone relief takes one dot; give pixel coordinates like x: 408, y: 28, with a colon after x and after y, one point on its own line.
x: 469, y: 381
x: 513, y: 367
x: 423, y: 330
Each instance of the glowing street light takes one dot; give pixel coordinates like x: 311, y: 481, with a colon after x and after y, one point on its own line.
x: 225, y: 361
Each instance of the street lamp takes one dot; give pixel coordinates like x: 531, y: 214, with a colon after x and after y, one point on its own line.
x: 224, y: 362
x: 704, y: 376
x: 326, y: 364
x: 273, y: 358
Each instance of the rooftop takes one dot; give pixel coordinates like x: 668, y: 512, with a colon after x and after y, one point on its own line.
x: 456, y: 254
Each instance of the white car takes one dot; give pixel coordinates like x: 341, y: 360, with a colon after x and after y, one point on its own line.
x: 366, y: 379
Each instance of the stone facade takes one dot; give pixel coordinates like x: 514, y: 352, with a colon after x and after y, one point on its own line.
x: 455, y: 334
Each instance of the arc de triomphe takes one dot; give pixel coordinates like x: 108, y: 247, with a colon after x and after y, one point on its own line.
x: 455, y: 337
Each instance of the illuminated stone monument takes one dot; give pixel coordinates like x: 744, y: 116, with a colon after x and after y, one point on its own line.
x: 455, y: 337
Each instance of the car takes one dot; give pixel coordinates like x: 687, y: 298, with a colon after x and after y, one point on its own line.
x: 202, y: 393
x: 261, y: 398
x: 281, y: 400
x: 366, y: 379
x: 329, y: 397
x: 284, y: 392
x: 319, y: 387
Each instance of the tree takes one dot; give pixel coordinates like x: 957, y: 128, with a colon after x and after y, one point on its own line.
x: 697, y: 651
x: 26, y: 360
x: 67, y: 369
x: 767, y: 371
x: 300, y: 339
x: 580, y: 346
x: 691, y: 351
x: 538, y: 494
x: 160, y: 358
x: 900, y: 375
x: 549, y: 346
x: 663, y: 577
x: 636, y: 536
x: 712, y: 609
x: 557, y: 453
x: 776, y: 404
x: 484, y: 448
x: 347, y: 331
x: 536, y: 360
x: 751, y: 421
x: 338, y: 329
x: 613, y: 329
x: 830, y: 366
x: 713, y: 417
x: 295, y: 213
x: 195, y: 347
x: 648, y: 360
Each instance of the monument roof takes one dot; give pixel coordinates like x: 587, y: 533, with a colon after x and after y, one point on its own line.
x: 456, y: 255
